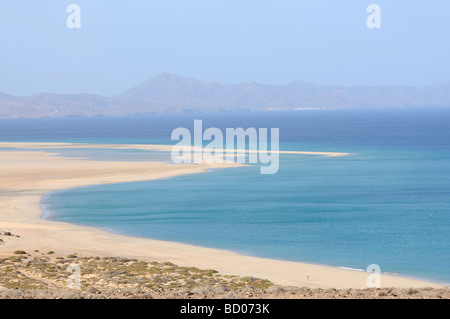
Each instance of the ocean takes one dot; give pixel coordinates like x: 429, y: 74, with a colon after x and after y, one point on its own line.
x: 388, y: 203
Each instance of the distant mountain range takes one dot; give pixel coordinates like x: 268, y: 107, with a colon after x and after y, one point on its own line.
x: 169, y: 93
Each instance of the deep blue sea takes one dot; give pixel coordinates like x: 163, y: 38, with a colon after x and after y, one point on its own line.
x: 387, y: 204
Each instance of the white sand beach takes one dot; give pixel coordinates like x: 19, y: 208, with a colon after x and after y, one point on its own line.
x: 28, y: 173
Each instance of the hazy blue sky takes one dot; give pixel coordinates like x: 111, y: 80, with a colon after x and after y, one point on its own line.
x: 123, y: 43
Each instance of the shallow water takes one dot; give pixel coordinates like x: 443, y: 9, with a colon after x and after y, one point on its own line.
x: 388, y: 204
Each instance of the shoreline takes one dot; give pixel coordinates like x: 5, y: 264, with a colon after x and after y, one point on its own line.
x: 21, y: 213
x: 429, y: 280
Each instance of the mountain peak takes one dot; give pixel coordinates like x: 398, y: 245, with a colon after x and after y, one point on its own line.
x: 170, y: 93
x: 162, y: 86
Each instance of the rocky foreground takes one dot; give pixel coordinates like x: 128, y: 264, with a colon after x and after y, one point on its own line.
x: 43, y: 275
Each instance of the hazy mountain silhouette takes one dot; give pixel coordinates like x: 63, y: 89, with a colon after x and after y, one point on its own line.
x: 168, y: 93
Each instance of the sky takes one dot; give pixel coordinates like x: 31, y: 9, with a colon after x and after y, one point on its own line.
x: 122, y: 43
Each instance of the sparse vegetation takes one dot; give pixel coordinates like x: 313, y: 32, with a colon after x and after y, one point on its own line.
x: 19, y: 272
x: 45, y: 276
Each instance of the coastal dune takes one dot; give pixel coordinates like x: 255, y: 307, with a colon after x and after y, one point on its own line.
x: 27, y: 173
